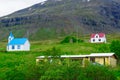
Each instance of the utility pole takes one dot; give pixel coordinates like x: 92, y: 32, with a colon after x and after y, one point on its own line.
x: 77, y: 32
x: 27, y: 34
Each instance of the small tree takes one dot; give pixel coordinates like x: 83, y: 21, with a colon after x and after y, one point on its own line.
x: 115, y: 47
x: 99, y: 72
x: 71, y: 39
x: 54, y: 52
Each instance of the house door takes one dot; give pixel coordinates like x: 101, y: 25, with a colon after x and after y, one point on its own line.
x: 104, y: 62
x: 92, y: 59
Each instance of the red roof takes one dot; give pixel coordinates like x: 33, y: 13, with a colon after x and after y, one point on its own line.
x: 99, y: 34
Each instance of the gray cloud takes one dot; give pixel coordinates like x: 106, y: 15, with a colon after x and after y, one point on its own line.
x: 9, y: 6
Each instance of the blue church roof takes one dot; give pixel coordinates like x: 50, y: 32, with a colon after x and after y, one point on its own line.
x: 11, y: 35
x: 17, y: 41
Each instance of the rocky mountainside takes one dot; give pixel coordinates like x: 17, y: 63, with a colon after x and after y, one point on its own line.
x: 54, y: 18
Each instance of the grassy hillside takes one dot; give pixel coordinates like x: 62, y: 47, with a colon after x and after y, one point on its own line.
x: 66, y: 48
x: 22, y: 65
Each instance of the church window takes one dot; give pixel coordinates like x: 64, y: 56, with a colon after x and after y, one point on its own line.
x: 13, y: 47
x: 18, y: 47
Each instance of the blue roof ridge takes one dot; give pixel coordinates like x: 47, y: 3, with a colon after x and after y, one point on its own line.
x: 17, y: 41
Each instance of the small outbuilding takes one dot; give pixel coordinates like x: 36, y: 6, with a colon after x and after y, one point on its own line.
x: 107, y: 59
x: 98, y: 38
x: 17, y: 44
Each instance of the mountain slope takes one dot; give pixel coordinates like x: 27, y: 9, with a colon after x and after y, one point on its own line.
x: 54, y: 18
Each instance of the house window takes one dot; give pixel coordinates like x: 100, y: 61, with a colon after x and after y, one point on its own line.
x: 93, y: 40
x: 13, y: 47
x: 18, y: 47
x: 99, y: 39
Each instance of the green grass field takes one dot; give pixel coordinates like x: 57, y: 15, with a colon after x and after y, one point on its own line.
x: 21, y: 63
x: 71, y: 48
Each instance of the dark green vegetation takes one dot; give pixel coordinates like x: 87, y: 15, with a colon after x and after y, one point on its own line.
x: 57, y: 18
x: 71, y: 70
x: 15, y: 66
x: 22, y: 65
x: 71, y: 39
x: 115, y: 47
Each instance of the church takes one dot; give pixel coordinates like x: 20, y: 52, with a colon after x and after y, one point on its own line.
x: 17, y: 44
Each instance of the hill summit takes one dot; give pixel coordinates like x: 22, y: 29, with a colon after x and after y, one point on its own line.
x: 54, y: 18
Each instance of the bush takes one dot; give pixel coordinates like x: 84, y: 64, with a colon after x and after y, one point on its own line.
x: 15, y: 75
x: 115, y: 47
x: 72, y: 70
x: 97, y: 72
x: 71, y: 39
x: 55, y: 52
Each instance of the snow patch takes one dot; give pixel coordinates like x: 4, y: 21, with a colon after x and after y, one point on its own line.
x: 86, y: 0
x: 58, y: 0
x: 5, y: 17
x: 30, y: 9
x: 43, y: 2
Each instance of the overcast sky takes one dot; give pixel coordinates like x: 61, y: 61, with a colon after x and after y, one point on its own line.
x: 9, y: 6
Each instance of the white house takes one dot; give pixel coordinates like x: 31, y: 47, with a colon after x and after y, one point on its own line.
x: 17, y: 44
x: 98, y: 38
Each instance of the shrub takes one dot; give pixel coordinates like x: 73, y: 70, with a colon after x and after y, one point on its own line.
x: 72, y: 70
x: 15, y: 75
x: 71, y: 39
x: 115, y: 47
x: 55, y: 52
x: 97, y: 72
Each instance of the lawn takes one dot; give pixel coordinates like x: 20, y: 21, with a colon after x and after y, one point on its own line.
x: 72, y: 48
x: 23, y: 63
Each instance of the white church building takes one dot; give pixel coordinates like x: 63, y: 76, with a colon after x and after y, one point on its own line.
x: 98, y: 38
x: 17, y: 44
